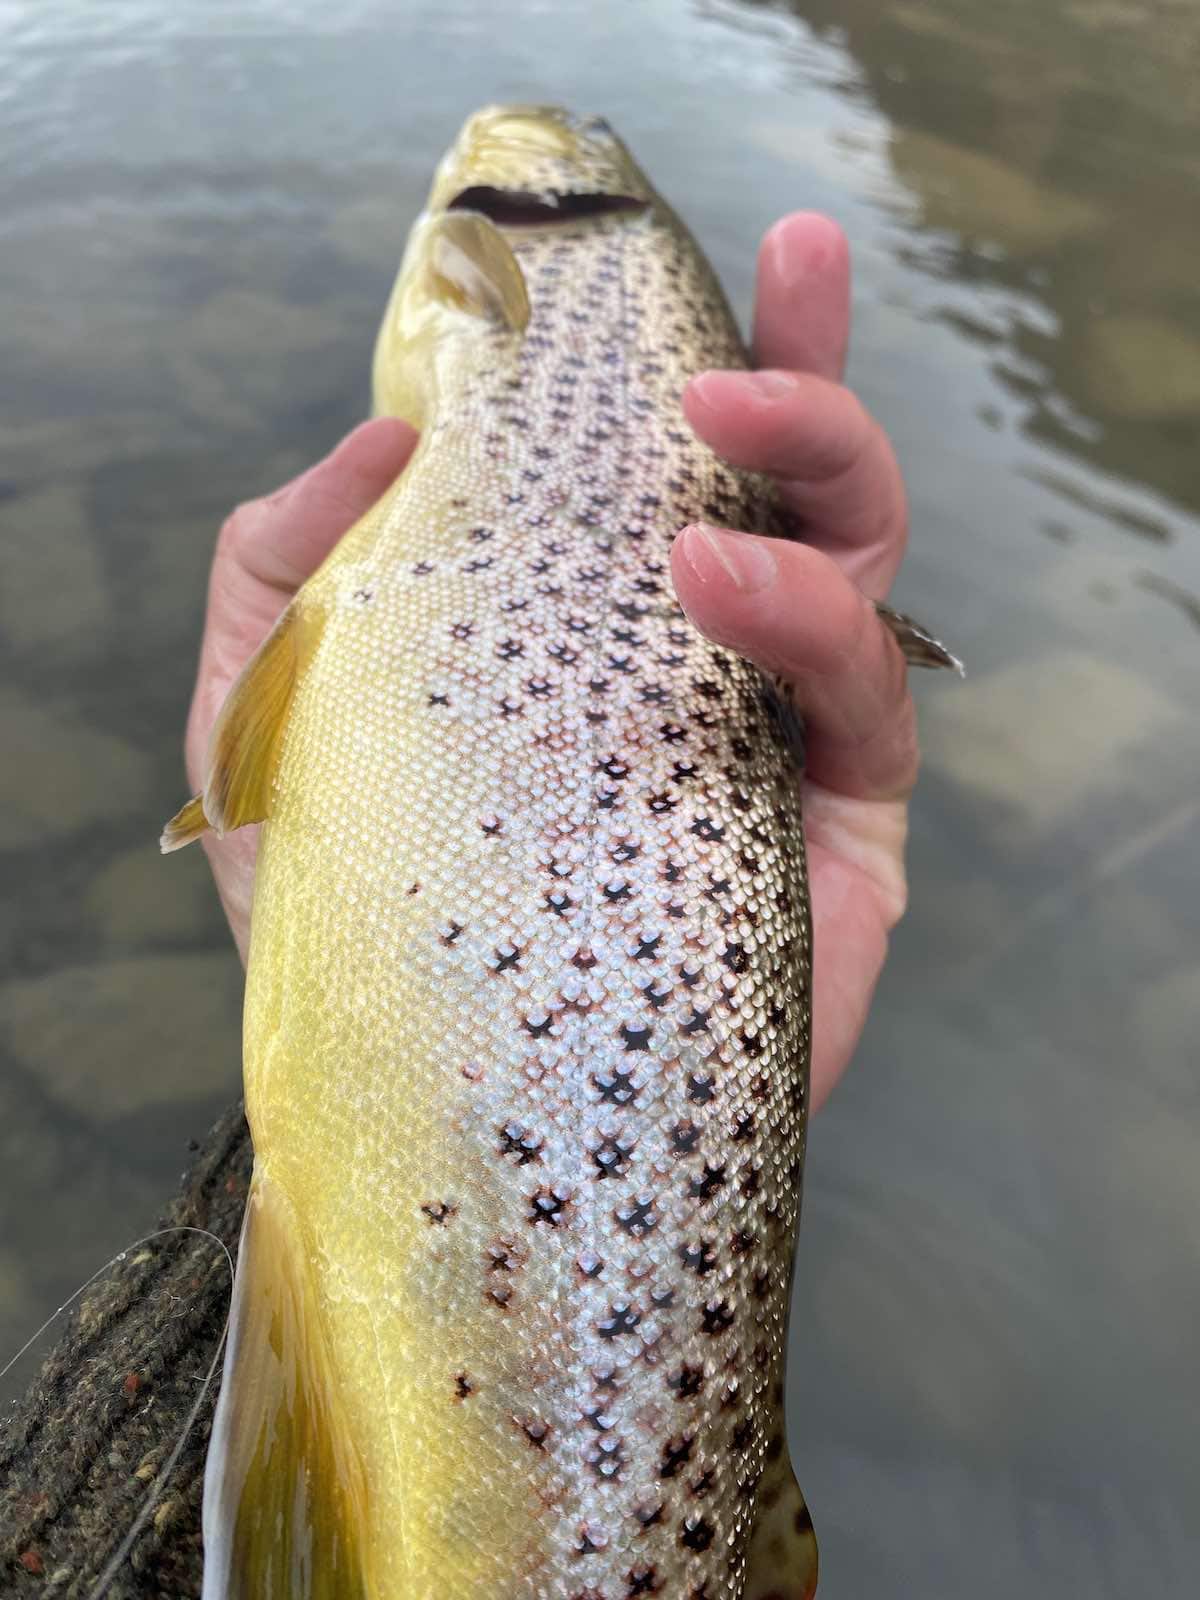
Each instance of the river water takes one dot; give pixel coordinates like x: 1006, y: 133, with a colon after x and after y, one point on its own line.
x: 201, y: 207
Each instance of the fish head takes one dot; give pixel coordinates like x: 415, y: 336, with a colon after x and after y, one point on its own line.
x: 539, y: 166
x: 512, y: 171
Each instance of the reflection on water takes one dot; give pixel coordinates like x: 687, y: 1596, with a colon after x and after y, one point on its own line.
x: 201, y: 207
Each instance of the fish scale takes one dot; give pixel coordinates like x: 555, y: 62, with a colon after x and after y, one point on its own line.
x: 528, y: 997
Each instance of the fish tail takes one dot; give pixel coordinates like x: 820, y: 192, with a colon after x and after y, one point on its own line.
x: 284, y: 1488
x: 782, y: 1561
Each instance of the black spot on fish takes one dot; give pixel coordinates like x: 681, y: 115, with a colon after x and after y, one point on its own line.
x: 716, y: 1317
x: 696, y: 1533
x: 506, y: 960
x: 546, y: 1206
x: 703, y: 1484
x: 735, y: 958
x: 698, y: 1258
x: 708, y: 830
x: 636, y: 1218
x: 535, y: 1431
x: 591, y: 1539
x: 616, y: 1088
x: 518, y: 1141
x: 684, y: 1138
x: 704, y: 1187
x: 641, y: 1580
x: 676, y: 1454
x: 439, y: 1212
x: 612, y: 1157
x: 687, y: 1382
x: 502, y: 1256
x: 462, y: 1386
x: 621, y: 1319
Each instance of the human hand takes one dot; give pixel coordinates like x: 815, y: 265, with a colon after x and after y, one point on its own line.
x: 805, y: 612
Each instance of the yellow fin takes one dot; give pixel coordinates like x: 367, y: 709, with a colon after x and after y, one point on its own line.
x: 188, y: 823
x: 243, y: 750
x: 472, y: 265
x: 457, y: 266
x: 782, y: 1561
x: 284, y: 1487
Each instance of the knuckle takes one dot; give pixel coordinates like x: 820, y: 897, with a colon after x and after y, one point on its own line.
x: 237, y: 527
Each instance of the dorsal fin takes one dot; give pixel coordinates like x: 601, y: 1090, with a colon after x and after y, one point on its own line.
x: 458, y: 270
x: 243, y: 750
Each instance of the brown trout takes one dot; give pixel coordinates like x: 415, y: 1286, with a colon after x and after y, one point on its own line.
x: 528, y: 999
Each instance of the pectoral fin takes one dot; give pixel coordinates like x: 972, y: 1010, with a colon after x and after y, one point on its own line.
x: 243, y: 751
x: 284, y: 1488
x: 782, y: 1561
x: 188, y: 823
x: 459, y: 276
x: 471, y: 265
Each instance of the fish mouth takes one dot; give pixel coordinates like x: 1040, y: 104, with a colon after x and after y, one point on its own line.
x: 523, y: 208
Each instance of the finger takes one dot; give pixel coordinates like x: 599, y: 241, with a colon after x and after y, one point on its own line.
x: 834, y: 466
x: 281, y: 539
x: 269, y: 547
x: 802, y: 299
x: 850, y: 939
x: 794, y: 612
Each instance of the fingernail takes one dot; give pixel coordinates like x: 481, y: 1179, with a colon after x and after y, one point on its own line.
x: 716, y: 556
x: 768, y: 384
x: 718, y: 388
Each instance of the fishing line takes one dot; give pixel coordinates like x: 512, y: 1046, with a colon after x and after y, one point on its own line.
x: 116, y: 1560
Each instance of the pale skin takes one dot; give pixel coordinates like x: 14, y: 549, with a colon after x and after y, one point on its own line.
x: 800, y: 610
